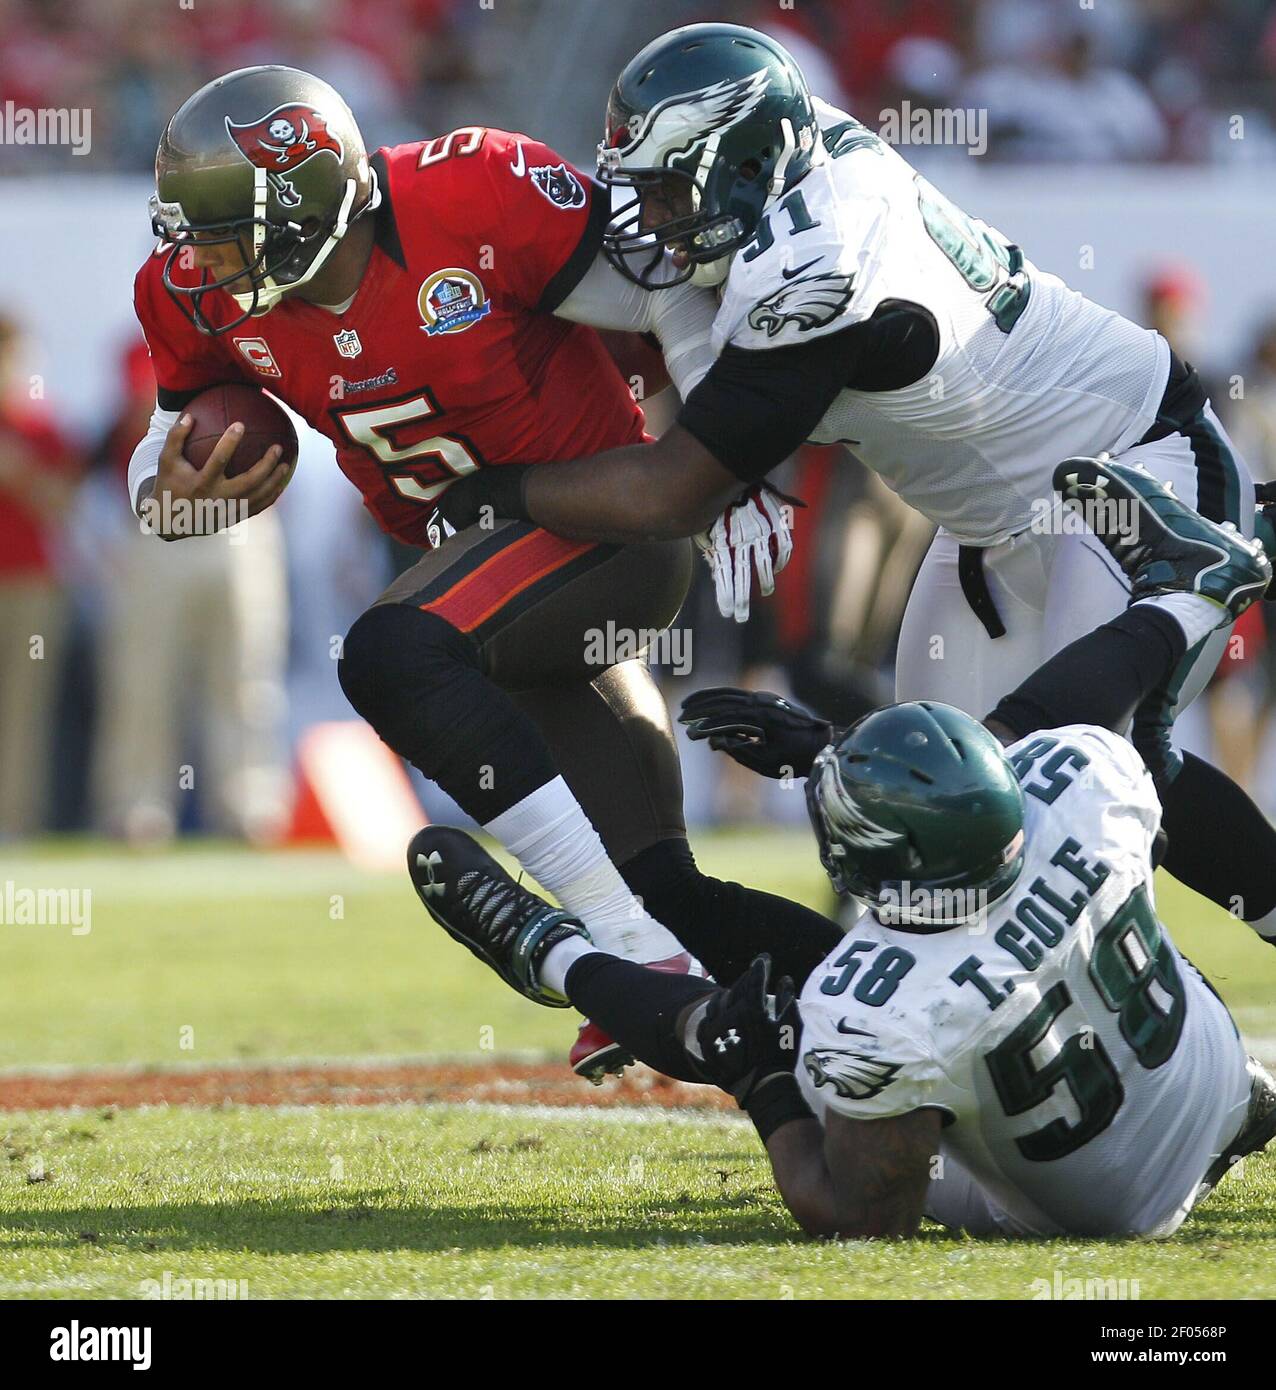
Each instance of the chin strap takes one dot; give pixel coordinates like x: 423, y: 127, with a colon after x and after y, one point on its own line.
x: 787, y: 151
x: 704, y: 168
x: 260, y: 191
x: 268, y: 291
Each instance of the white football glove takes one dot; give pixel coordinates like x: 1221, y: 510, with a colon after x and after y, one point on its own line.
x: 753, y: 534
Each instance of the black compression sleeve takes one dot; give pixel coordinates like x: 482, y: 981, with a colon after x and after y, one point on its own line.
x: 1228, y: 853
x: 1101, y: 678
x: 638, y: 1007
x: 754, y: 408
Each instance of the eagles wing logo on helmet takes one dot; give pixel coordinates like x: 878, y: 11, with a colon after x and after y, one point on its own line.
x: 845, y: 818
x: 810, y: 303
x: 683, y: 121
x: 282, y: 141
x: 851, y: 1074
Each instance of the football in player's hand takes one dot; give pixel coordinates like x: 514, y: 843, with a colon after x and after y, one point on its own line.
x: 264, y: 422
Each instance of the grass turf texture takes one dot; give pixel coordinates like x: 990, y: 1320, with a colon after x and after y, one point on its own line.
x: 269, y: 957
x: 463, y: 1203
x: 466, y: 1202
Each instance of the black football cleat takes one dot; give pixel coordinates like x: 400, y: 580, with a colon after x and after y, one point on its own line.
x: 1162, y: 545
x: 478, y: 904
x: 1255, y: 1134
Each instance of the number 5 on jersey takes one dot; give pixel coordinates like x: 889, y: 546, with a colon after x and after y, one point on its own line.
x: 420, y: 469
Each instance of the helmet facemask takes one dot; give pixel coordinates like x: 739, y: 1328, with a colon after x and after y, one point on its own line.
x: 716, y: 205
x: 704, y: 236
x: 279, y: 255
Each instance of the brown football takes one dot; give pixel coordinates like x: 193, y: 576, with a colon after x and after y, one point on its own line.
x: 264, y: 424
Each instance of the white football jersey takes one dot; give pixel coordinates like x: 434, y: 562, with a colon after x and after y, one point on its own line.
x: 1028, y: 372
x: 1086, y: 1073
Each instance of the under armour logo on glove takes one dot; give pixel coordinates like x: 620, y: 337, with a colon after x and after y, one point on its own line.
x: 728, y: 1039
x: 431, y: 887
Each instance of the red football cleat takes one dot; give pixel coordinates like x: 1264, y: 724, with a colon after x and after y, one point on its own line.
x: 595, y: 1054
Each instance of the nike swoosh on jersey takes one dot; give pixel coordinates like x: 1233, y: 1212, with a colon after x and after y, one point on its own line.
x: 860, y: 1032
x: 791, y: 274
x: 518, y: 167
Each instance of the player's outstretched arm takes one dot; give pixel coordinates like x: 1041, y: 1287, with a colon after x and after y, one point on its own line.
x: 751, y: 411
x: 759, y: 729
x: 662, y: 491
x: 850, y: 1178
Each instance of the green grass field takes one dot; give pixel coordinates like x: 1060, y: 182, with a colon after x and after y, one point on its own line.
x: 212, y: 954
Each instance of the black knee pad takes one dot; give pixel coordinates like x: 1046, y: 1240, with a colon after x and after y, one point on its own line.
x: 420, y: 684
x: 404, y: 671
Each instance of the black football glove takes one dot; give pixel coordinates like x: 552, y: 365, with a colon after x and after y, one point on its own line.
x: 759, y: 729
x: 749, y: 1035
x: 482, y: 498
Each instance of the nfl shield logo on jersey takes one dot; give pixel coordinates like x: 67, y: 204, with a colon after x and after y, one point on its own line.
x: 347, y: 341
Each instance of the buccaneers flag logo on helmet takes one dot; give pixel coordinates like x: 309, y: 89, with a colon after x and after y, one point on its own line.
x: 283, y: 140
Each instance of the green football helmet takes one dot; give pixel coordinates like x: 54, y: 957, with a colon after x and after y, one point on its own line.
x: 270, y: 158
x: 707, y: 126
x: 918, y: 812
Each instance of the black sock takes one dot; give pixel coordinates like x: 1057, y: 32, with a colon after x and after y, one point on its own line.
x: 1100, y: 678
x: 418, y: 682
x: 725, y: 925
x: 637, y: 1006
x: 1221, y: 844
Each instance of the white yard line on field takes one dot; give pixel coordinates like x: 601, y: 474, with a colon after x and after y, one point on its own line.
x: 368, y: 1061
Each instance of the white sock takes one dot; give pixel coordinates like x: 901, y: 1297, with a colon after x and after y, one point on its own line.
x: 1265, y: 926
x: 552, y: 838
x: 1196, y: 615
x: 560, y: 959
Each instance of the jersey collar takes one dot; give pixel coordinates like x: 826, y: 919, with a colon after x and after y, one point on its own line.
x: 387, y: 227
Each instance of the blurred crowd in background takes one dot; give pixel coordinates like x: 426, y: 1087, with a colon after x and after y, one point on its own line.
x: 1066, y: 79
x: 216, y: 654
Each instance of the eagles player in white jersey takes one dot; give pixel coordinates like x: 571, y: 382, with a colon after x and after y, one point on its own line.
x: 1007, y: 1040
x: 859, y: 306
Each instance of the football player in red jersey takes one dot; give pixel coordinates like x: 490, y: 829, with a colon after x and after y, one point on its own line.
x: 425, y: 308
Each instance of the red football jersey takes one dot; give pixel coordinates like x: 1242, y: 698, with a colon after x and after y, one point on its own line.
x: 449, y: 357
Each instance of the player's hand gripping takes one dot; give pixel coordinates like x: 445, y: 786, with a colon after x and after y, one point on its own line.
x: 170, y: 509
x: 749, y: 1033
x: 759, y: 729
x: 754, y: 534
